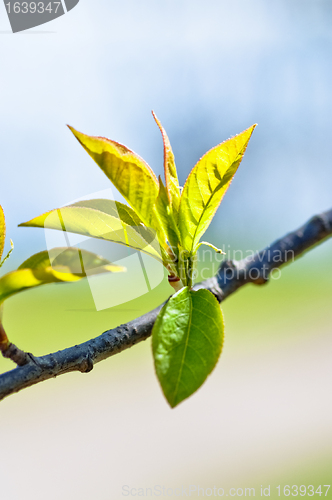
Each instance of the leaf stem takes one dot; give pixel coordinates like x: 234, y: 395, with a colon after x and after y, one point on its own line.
x: 4, y: 342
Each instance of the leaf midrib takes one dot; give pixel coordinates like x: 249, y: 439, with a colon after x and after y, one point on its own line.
x: 210, y: 198
x: 202, y: 214
x: 184, y: 351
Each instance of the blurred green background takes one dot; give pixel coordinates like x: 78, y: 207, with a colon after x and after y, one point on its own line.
x: 209, y: 71
x: 262, y: 418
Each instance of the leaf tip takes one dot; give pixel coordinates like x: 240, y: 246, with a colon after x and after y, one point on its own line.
x: 76, y: 133
x: 157, y: 121
x: 172, y: 405
x: 25, y: 224
x: 73, y: 131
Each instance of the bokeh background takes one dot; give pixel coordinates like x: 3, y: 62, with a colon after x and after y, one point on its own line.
x: 209, y: 70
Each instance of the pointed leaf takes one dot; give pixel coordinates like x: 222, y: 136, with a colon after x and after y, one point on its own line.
x: 171, y: 176
x: 73, y: 259
x: 206, y: 185
x: 69, y: 264
x: 187, y: 340
x: 8, y: 254
x: 2, y: 231
x: 103, y: 219
x: 17, y: 281
x: 129, y: 173
x: 166, y: 217
x: 134, y: 234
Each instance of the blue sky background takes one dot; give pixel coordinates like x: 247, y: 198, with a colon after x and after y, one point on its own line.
x: 208, y: 70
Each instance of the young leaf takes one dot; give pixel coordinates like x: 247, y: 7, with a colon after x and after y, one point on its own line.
x: 8, y: 254
x: 166, y: 217
x: 104, y: 219
x: 3, y: 237
x: 206, y: 185
x: 68, y: 266
x: 187, y: 340
x: 129, y: 173
x: 171, y: 176
x: 2, y: 231
x: 72, y: 260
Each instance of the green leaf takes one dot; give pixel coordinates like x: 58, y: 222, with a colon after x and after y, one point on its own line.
x: 73, y: 260
x: 171, y: 176
x: 3, y: 237
x: 129, y: 173
x: 206, y: 185
x: 2, y: 231
x: 8, y: 254
x: 104, y: 219
x: 166, y: 217
x: 187, y: 340
x: 68, y: 265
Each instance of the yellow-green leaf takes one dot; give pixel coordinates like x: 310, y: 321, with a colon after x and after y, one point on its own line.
x: 2, y: 231
x: 206, y: 185
x: 104, y: 219
x: 171, y: 176
x: 8, y: 254
x: 75, y: 260
x: 129, y: 173
x: 68, y: 265
x: 166, y: 217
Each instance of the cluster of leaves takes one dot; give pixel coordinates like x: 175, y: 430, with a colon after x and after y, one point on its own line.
x: 58, y: 265
x: 168, y: 225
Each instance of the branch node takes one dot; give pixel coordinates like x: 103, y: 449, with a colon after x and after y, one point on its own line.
x: 86, y: 365
x: 259, y: 275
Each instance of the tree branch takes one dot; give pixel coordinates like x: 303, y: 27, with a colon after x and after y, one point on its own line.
x: 231, y: 276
